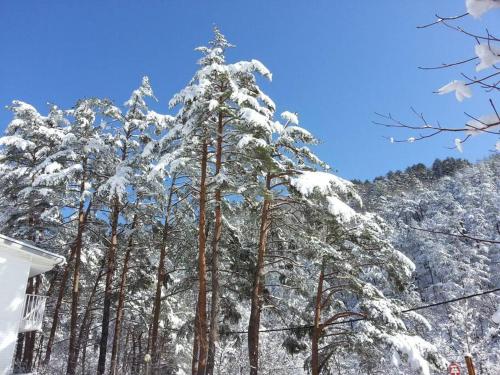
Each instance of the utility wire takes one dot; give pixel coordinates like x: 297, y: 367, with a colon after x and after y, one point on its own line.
x: 359, y: 319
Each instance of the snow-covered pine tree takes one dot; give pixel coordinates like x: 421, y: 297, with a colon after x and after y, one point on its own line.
x: 124, y: 137
x: 30, y: 210
x: 213, y: 120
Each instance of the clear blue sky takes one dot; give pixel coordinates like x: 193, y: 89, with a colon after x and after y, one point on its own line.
x: 334, y: 62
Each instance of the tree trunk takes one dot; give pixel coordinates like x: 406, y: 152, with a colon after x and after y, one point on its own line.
x: 62, y: 288
x: 84, y: 353
x: 256, y: 304
x: 160, y: 278
x: 315, y: 366
x: 110, y: 270
x: 134, y: 354
x: 57, y: 308
x: 202, y: 272
x: 196, y: 344
x: 72, y: 363
x: 87, y: 315
x: 121, y: 302
x: 38, y: 355
x: 19, y: 349
x: 108, y: 291
x: 125, y: 351
x: 30, y: 337
x: 215, y: 302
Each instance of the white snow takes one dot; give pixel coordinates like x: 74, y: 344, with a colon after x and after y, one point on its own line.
x: 488, y: 56
x: 261, y: 68
x: 496, y: 316
x: 491, y: 122
x: 330, y: 186
x: 458, y: 144
x: 461, y: 90
x: 17, y: 142
x: 255, y: 118
x: 248, y: 139
x: 338, y: 208
x: 212, y: 104
x: 117, y: 184
x: 477, y: 8
x: 290, y: 117
x: 412, y: 347
x: 308, y: 182
x: 267, y: 100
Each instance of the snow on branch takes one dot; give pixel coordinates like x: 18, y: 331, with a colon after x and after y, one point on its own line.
x: 476, y: 8
x: 330, y: 186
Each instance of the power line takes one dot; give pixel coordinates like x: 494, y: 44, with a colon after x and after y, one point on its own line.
x: 359, y: 319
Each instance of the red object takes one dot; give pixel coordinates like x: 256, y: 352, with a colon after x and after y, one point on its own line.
x: 453, y: 369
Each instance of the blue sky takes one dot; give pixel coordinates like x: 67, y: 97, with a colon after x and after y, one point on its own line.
x: 333, y: 62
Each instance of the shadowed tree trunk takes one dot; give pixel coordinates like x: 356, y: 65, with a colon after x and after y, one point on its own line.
x: 82, y: 216
x: 256, y: 304
x: 215, y: 302
x: 121, y: 302
x: 315, y: 367
x: 196, y: 344
x: 57, y: 307
x: 110, y: 269
x: 19, y: 348
x: 62, y: 288
x: 108, y: 291
x: 30, y: 337
x: 160, y: 279
x: 201, y: 320
x: 87, y: 314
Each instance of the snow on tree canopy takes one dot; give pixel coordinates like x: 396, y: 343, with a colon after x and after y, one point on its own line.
x: 338, y: 208
x: 310, y: 182
x: 17, y: 142
x: 477, y: 8
x: 414, y: 348
x: 307, y: 182
x: 117, y: 184
x: 290, y: 117
x: 496, y: 316
x: 255, y: 118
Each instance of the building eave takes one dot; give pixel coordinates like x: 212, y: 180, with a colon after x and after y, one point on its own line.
x: 45, y: 259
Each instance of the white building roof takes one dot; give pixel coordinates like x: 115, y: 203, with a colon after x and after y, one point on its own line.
x: 41, y: 260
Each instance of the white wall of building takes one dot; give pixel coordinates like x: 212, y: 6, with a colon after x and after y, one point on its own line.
x: 14, y: 271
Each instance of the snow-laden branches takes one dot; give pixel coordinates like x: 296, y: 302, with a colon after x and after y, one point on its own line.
x: 487, y: 58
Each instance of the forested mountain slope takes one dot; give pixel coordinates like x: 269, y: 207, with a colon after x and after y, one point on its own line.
x: 462, y: 199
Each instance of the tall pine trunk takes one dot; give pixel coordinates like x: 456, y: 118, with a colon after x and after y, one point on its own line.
x: 30, y: 337
x: 201, y: 320
x: 108, y: 291
x: 57, y: 307
x: 121, y: 303
x: 87, y: 314
x: 316, y: 334
x: 72, y: 363
x: 110, y: 270
x: 256, y: 304
x: 196, y: 345
x: 62, y: 289
x: 160, y: 279
x: 215, y: 301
